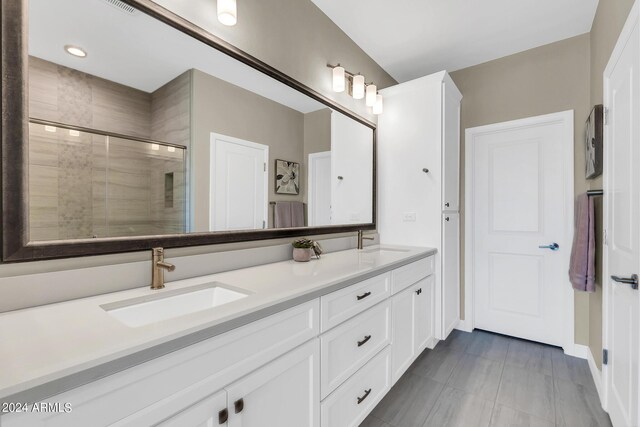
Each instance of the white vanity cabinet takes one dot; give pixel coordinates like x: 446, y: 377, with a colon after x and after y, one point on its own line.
x: 412, y: 325
x: 326, y: 362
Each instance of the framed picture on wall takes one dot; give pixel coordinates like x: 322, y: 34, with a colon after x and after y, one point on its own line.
x: 593, y: 142
x: 287, y: 177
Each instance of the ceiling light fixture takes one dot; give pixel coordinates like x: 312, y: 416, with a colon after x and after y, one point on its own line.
x: 356, y: 87
x: 227, y: 12
x: 75, y: 51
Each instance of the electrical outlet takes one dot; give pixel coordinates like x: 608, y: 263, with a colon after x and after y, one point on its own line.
x: 409, y: 217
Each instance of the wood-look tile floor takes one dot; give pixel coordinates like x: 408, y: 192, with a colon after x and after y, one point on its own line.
x: 485, y: 379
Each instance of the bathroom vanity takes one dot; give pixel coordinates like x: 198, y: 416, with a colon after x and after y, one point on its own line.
x: 288, y: 344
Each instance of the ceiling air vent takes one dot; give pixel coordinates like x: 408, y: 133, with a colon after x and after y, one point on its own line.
x: 122, y: 6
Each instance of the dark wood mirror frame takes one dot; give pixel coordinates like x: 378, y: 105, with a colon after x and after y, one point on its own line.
x: 15, y: 218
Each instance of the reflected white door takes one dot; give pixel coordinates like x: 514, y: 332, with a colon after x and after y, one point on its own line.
x: 522, y: 191
x: 239, y: 198
x: 352, y: 171
x: 622, y: 207
x: 319, y: 200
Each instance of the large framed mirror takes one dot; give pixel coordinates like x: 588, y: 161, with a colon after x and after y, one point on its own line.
x: 126, y: 127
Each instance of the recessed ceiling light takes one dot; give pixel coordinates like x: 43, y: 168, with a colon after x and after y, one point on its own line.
x: 227, y: 12
x: 75, y: 51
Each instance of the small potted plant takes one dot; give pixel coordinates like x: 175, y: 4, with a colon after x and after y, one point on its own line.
x: 304, y: 249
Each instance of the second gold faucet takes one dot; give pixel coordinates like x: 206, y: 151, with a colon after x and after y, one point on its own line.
x: 158, y: 266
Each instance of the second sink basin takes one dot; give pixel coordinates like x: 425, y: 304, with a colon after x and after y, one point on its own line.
x: 155, y: 308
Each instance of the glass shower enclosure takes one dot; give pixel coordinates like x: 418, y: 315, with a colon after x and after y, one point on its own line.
x: 86, y: 183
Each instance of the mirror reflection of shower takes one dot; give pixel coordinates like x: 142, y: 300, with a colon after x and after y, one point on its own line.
x: 86, y: 183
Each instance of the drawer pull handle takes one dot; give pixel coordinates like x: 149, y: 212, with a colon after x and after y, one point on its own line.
x: 364, y: 396
x: 363, y: 296
x: 238, y: 405
x: 364, y: 341
x: 223, y: 416
x: 419, y: 291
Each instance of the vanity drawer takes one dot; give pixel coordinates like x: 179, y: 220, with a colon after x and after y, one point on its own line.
x: 350, y: 404
x: 341, y: 305
x: 409, y: 274
x: 349, y: 346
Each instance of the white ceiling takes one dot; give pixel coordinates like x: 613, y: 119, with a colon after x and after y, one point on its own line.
x: 414, y: 38
x: 138, y: 51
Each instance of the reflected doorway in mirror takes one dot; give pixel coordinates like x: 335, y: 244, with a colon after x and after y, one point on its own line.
x: 287, y: 177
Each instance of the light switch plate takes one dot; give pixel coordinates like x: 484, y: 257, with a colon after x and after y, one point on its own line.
x: 409, y: 217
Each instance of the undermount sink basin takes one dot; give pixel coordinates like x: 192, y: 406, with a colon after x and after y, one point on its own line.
x: 167, y: 305
x: 383, y: 249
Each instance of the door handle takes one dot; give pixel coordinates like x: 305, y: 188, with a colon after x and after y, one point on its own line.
x: 363, y: 296
x: 238, y: 405
x: 553, y: 246
x: 633, y: 280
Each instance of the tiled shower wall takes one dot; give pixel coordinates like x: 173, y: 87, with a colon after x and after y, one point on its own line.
x: 84, y: 186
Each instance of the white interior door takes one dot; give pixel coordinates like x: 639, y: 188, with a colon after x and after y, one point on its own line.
x: 238, y: 199
x: 319, y: 200
x: 522, y: 199
x: 622, y: 210
x: 352, y: 171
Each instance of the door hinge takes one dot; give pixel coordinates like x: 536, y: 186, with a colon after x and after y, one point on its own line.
x: 605, y: 112
x: 265, y: 166
x: 605, y: 356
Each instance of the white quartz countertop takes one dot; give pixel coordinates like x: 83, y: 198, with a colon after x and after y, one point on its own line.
x: 50, y: 349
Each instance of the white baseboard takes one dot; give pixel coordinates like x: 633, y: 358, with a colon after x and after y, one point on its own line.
x: 432, y: 343
x: 464, y: 326
x: 577, y: 350
x: 597, y: 377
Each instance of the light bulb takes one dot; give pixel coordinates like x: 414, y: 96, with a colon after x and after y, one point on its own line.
x: 358, y: 87
x: 227, y: 12
x: 338, y: 79
x: 377, y: 107
x: 372, y: 91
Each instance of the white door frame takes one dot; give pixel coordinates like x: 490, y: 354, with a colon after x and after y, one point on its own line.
x: 566, y: 118
x: 311, y: 183
x: 627, y: 30
x: 214, y: 137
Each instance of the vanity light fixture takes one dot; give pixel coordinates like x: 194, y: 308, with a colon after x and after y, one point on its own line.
x: 358, y: 86
x: 378, y: 107
x: 75, y: 51
x: 372, y: 91
x: 227, y: 12
x: 50, y: 128
x: 339, y: 81
x: 155, y: 147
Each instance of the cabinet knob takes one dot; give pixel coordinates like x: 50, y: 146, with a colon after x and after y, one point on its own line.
x: 340, y: 177
x: 238, y: 405
x: 446, y: 205
x: 419, y: 291
x: 425, y: 170
x: 446, y: 218
x: 223, y: 416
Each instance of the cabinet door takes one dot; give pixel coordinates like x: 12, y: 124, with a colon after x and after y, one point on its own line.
x: 205, y: 413
x: 423, y: 314
x: 450, y: 150
x: 286, y: 392
x: 450, y: 272
x: 402, y: 338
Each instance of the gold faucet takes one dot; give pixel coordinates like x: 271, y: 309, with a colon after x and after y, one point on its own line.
x: 158, y: 267
x: 361, y: 238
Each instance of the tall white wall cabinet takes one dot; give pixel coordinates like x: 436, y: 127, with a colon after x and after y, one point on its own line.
x: 418, y: 180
